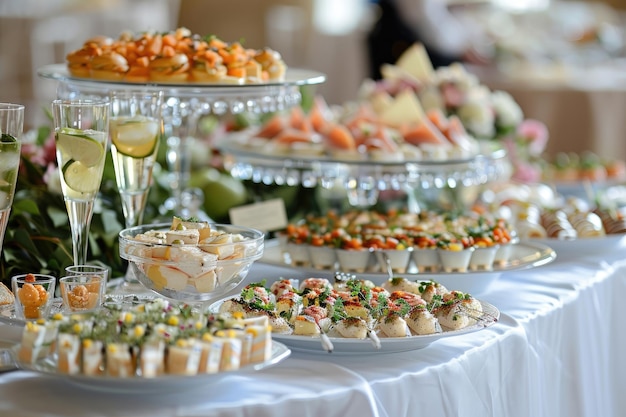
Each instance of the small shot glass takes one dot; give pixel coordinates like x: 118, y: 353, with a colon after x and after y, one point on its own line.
x: 81, y: 293
x: 91, y: 270
x: 33, y: 295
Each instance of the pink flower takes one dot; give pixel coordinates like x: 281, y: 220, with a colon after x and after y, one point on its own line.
x: 52, y: 179
x: 534, y: 134
x: 50, y: 149
x: 34, y: 153
x: 511, y: 149
x: 40, y: 155
x: 526, y: 173
x: 452, y: 95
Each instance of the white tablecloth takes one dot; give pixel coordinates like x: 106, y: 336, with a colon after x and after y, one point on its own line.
x: 557, y: 351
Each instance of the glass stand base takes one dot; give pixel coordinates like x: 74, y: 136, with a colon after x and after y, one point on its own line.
x: 131, y: 285
x: 187, y: 205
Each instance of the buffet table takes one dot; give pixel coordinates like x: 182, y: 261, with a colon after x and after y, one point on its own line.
x: 556, y: 351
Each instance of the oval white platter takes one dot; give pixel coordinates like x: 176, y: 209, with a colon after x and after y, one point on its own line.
x: 169, y: 383
x: 345, y: 346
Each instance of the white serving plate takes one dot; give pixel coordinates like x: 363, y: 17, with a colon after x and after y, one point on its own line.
x: 573, y: 248
x: 345, y: 346
x: 524, y: 255
x: 170, y: 383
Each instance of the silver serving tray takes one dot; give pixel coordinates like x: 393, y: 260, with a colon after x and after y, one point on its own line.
x: 525, y: 255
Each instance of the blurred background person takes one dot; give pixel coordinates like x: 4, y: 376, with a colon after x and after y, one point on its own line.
x: 447, y: 39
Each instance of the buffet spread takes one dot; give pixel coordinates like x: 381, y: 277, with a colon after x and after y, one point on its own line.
x: 379, y: 281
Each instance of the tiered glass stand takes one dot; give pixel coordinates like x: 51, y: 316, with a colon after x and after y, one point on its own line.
x: 446, y: 184
x: 185, y: 105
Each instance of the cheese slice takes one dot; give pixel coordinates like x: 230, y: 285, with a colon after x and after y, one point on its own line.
x: 393, y: 72
x: 381, y: 101
x: 416, y: 62
x: 405, y: 109
x: 183, y: 237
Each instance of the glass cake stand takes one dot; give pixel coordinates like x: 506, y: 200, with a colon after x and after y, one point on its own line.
x: 449, y: 184
x: 184, y: 105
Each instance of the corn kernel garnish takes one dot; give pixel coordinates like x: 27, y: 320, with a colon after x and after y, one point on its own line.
x: 139, y: 331
x: 32, y: 326
x: 456, y: 247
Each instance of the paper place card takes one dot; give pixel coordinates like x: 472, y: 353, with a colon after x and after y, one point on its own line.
x: 265, y: 216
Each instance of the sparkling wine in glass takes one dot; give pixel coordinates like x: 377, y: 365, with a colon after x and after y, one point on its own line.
x: 135, y: 128
x: 81, y: 132
x: 11, y: 126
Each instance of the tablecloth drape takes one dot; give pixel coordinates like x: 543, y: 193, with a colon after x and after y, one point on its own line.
x: 556, y: 351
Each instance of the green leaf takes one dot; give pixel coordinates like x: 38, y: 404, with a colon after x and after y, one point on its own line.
x: 43, y: 133
x: 25, y: 206
x: 23, y: 238
x: 110, y: 223
x: 58, y: 217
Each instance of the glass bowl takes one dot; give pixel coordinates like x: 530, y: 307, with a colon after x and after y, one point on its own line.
x: 191, y: 272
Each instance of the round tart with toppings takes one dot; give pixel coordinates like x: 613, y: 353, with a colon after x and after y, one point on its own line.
x: 174, y: 57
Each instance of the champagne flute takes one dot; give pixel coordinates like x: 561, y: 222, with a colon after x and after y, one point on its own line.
x: 11, y: 125
x: 135, y: 128
x: 81, y: 132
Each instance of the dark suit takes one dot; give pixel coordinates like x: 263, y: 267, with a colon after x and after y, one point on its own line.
x: 390, y: 37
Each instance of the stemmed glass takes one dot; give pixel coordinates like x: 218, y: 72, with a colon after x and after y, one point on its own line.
x: 11, y: 125
x: 135, y: 127
x: 81, y: 131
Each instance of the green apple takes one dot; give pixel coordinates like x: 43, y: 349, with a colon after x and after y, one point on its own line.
x: 221, y: 192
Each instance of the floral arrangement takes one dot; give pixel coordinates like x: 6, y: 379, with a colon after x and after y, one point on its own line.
x: 488, y: 115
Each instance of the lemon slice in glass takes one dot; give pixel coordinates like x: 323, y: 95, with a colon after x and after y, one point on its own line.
x: 81, y: 146
x: 136, y: 137
x: 6, y: 138
x: 82, y: 178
